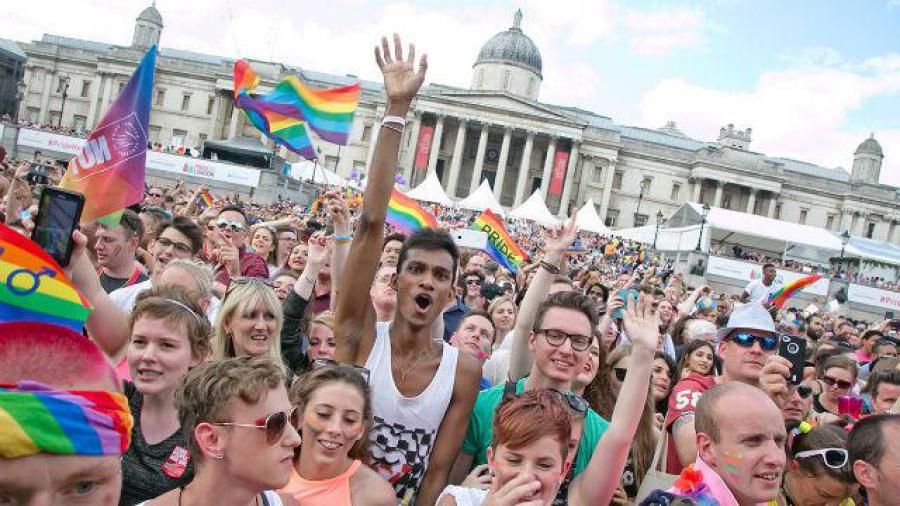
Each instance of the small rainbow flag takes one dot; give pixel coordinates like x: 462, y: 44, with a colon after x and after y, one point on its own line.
x: 205, y: 199
x: 500, y: 245
x: 406, y: 215
x: 788, y: 290
x: 285, y: 112
x: 576, y: 250
x: 34, y: 288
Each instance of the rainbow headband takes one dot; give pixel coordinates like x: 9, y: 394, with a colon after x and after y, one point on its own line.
x: 35, y: 418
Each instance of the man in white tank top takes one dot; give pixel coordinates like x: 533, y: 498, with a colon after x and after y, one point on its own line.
x: 422, y: 389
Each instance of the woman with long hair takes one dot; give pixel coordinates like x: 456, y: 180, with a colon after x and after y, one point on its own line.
x: 263, y: 240
x: 662, y: 380
x: 698, y: 357
x: 838, y: 376
x: 335, y: 418
x: 169, y: 336
x: 819, y: 471
x: 503, y: 315
x: 249, y: 321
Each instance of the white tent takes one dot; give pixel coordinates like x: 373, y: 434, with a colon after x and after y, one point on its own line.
x: 306, y: 171
x: 534, y: 209
x: 482, y: 198
x: 588, y: 219
x: 430, y: 191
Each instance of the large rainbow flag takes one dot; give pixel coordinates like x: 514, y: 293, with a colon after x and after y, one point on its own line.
x: 500, y: 245
x: 109, y: 171
x: 406, y: 215
x: 34, y: 288
x: 284, y: 113
x: 788, y: 290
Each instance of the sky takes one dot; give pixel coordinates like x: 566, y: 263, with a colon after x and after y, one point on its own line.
x: 811, y: 78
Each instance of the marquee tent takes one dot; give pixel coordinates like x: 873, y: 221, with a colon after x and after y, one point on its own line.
x: 482, y: 198
x: 534, y: 209
x: 306, y: 171
x: 430, y: 191
x: 588, y: 219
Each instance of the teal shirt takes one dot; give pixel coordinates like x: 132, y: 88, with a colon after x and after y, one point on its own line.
x: 481, y: 428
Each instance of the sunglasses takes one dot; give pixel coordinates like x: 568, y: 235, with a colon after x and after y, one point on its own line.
x: 473, y: 281
x: 804, y: 391
x: 620, y: 373
x: 835, y: 458
x: 576, y: 403
x: 274, y: 424
x: 246, y: 280
x: 841, y: 384
x: 155, y: 194
x: 327, y: 362
x: 235, y: 226
x: 746, y: 340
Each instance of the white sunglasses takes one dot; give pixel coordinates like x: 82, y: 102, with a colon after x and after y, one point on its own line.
x: 834, y: 458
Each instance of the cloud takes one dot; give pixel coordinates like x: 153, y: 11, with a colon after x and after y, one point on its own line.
x: 799, y: 112
x: 656, y: 33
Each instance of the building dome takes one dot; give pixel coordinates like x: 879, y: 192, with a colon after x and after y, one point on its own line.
x: 869, y: 147
x: 151, y: 14
x: 512, y: 47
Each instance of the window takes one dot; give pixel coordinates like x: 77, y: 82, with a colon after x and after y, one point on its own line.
x: 829, y: 222
x: 367, y: 133
x: 506, y: 76
x: 598, y: 174
x: 121, y: 87
x: 185, y: 103
x: 676, y: 191
x: 612, y: 216
x: 61, y: 85
x: 726, y: 201
x: 640, y: 220
x: 32, y: 114
x: 870, y: 230
x: 803, y: 215
x: 331, y: 163
x: 85, y: 89
x: 645, y: 184
x: 54, y: 117
x: 210, y: 105
x: 777, y: 211
x: 179, y: 137
x: 201, y: 138
x: 160, y: 97
x: 617, y: 180
x: 154, y: 133
x: 79, y: 123
x: 359, y: 167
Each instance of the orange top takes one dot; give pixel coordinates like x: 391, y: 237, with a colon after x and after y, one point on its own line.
x: 331, y: 492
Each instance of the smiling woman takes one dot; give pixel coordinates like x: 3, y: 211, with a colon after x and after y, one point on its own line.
x: 249, y: 321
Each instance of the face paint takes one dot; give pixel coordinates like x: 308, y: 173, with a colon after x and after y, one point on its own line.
x: 731, y: 460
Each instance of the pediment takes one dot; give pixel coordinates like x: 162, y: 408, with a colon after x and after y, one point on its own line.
x: 503, y: 102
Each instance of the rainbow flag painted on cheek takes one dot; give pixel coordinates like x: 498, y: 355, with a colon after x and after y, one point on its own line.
x: 500, y: 246
x: 406, y: 215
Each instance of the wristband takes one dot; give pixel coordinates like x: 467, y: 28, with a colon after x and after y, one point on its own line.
x: 552, y: 269
x: 342, y: 237
x: 391, y: 127
x: 397, y: 120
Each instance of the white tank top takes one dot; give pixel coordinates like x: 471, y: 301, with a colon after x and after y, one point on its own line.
x: 405, y: 427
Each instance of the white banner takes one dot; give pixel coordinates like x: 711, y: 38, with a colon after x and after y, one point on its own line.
x: 871, y: 296
x: 207, y: 169
x: 746, y: 272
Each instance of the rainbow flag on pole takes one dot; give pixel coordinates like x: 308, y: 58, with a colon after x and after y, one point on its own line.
x: 406, y: 215
x: 109, y: 171
x: 205, y: 199
x: 285, y: 112
x: 500, y: 245
x: 34, y: 288
x: 788, y: 290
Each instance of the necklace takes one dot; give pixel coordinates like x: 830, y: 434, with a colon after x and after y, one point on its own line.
x: 181, y: 491
x: 411, y: 366
x: 787, y: 498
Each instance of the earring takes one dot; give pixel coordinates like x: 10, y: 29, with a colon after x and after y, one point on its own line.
x: 219, y: 456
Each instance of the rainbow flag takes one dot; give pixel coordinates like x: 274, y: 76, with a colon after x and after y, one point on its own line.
x: 406, y: 215
x: 285, y: 112
x: 788, y: 290
x: 34, y: 288
x: 576, y: 250
x: 500, y: 245
x: 205, y: 199
x: 109, y: 171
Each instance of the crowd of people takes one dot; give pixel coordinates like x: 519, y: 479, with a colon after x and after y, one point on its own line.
x: 243, y: 354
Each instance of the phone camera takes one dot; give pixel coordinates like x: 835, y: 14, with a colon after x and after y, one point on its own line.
x: 793, y: 348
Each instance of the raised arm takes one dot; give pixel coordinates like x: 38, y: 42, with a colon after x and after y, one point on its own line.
x: 340, y: 217
x: 296, y: 301
x: 598, y: 482
x: 557, y: 242
x: 401, y: 83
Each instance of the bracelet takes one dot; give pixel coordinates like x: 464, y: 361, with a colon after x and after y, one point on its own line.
x: 341, y: 242
x: 390, y: 127
x: 397, y: 120
x: 552, y: 269
x: 342, y: 237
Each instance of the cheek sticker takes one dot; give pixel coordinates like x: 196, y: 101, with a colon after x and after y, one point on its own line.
x: 313, y: 426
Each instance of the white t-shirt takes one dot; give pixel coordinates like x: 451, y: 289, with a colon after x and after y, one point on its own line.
x: 124, y: 299
x: 758, y: 291
x: 464, y: 496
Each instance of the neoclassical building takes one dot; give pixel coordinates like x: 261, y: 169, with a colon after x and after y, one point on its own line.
x: 497, y: 129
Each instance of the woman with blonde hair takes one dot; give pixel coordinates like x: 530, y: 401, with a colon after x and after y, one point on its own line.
x: 503, y: 313
x: 249, y: 321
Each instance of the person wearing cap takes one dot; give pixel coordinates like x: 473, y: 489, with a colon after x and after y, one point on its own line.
x: 744, y: 345
x: 867, y: 341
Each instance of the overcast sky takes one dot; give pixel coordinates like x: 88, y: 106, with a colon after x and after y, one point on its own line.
x: 812, y: 78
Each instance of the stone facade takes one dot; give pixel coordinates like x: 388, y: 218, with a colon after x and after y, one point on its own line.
x: 496, y: 130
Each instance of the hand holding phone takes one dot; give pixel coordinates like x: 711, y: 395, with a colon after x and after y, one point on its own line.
x: 793, y: 348
x: 57, y: 217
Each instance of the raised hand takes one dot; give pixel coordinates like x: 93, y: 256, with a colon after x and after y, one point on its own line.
x: 401, y: 81
x: 641, y: 323
x: 338, y: 210
x: 319, y: 249
x: 561, y: 237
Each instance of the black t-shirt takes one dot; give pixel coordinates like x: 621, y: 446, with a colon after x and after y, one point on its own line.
x: 149, y: 471
x: 110, y: 283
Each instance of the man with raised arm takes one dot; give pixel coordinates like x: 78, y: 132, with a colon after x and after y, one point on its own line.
x: 422, y: 389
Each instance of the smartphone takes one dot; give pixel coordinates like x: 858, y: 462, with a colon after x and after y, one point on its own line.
x: 633, y: 293
x: 38, y: 174
x: 57, y: 217
x: 793, y: 348
x: 465, y: 238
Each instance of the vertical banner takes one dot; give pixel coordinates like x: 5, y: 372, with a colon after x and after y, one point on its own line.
x: 558, y: 177
x: 423, y: 146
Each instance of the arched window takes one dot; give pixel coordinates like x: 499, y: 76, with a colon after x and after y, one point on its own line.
x: 506, y: 76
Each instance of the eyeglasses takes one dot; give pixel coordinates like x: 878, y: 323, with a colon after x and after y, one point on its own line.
x: 235, y: 226
x: 834, y: 458
x: 473, y: 281
x: 557, y: 338
x: 804, y: 391
x: 832, y: 382
x: 274, y: 424
x: 327, y: 362
x: 179, y: 246
x: 155, y: 194
x: 746, y: 340
x: 620, y: 373
x: 576, y: 403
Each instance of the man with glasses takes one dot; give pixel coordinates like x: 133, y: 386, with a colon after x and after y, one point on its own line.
x: 116, y: 250
x: 231, y: 254
x: 744, y: 346
x: 470, y: 284
x: 874, y: 447
x: 155, y: 196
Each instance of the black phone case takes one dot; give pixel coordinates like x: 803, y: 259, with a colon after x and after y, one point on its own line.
x: 793, y: 348
x: 57, y: 193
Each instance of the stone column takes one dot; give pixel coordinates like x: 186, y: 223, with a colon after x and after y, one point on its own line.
x: 373, y: 140
x: 607, y: 188
x: 720, y: 187
x: 698, y: 187
x: 233, y: 124
x: 456, y: 163
x: 213, y: 131
x: 567, y: 187
x: 45, y: 96
x: 892, y: 233
x: 501, y: 164
x: 846, y: 221
x: 524, y: 167
x: 413, y: 148
x: 548, y: 167
x: 479, y: 158
x: 859, y: 224
x: 882, y: 230
x: 773, y: 201
x: 751, y: 201
x: 435, y: 144
x: 107, y: 94
x: 95, y: 101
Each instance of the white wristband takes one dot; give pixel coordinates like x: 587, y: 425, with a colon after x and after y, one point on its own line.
x: 397, y: 120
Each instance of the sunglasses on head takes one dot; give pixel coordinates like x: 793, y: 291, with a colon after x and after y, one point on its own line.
x: 235, y: 226
x: 576, y: 403
x: 327, y: 362
x: 841, y: 384
x: 620, y: 373
x: 746, y: 340
x: 274, y: 424
x: 834, y: 458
